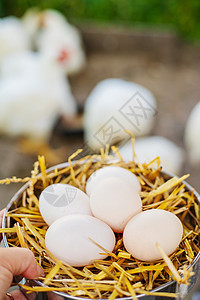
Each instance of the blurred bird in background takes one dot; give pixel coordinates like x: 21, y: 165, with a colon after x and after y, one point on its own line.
x: 34, y: 89
x: 115, y: 105
x: 13, y: 37
x: 34, y: 93
x: 192, y: 135
x: 147, y: 148
x: 51, y: 35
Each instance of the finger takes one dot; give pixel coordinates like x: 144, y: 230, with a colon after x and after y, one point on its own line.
x: 16, y: 261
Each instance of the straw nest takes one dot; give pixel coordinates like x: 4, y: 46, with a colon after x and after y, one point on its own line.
x: 120, y: 275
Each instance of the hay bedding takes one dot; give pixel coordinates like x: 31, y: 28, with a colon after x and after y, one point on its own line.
x: 120, y: 275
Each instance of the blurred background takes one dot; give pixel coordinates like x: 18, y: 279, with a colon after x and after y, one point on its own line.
x: 54, y: 56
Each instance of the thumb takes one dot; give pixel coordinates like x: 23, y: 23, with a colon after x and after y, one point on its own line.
x: 16, y: 261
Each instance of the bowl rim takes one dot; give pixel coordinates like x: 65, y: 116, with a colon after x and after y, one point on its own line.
x: 62, y: 166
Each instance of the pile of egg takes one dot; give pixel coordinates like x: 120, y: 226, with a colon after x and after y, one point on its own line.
x: 81, y: 222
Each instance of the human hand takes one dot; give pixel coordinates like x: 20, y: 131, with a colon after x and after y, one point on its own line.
x: 18, y: 261
x: 13, y: 262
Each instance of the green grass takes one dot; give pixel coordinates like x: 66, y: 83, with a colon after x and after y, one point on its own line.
x: 181, y: 15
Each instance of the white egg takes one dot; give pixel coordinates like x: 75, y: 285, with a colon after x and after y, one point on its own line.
x: 115, y: 201
x: 112, y: 171
x: 59, y: 199
x: 69, y: 239
x: 148, y: 228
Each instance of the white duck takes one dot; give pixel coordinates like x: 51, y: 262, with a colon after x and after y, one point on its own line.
x: 192, y: 135
x: 113, y: 106
x: 13, y: 37
x: 52, y: 34
x: 33, y: 94
x: 148, y: 148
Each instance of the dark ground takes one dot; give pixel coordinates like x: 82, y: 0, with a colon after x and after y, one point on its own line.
x: 159, y: 61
